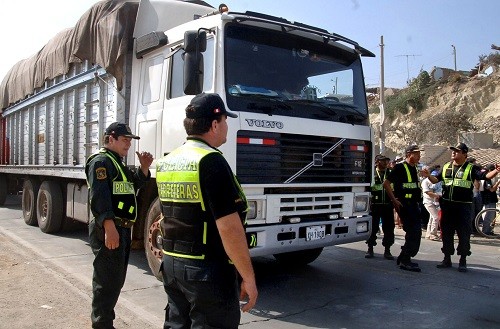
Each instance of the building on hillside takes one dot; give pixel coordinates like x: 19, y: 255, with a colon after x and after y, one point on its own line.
x: 442, y: 73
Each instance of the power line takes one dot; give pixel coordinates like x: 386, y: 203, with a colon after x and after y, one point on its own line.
x: 407, y: 66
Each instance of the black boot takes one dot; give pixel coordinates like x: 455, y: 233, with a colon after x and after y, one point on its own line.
x: 406, y: 264
x: 462, y: 265
x: 387, y: 253
x: 445, y: 263
x: 369, y: 253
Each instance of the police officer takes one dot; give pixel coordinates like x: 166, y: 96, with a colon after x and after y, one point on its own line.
x: 204, y: 208
x: 406, y: 198
x: 381, y: 209
x: 458, y: 176
x: 112, y: 189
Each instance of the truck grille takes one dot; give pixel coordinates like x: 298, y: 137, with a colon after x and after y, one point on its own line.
x: 276, y: 158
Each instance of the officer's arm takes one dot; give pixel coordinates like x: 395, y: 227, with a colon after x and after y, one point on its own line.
x: 235, y: 244
x: 390, y: 193
x: 100, y: 193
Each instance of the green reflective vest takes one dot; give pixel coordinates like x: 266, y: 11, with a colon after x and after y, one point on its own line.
x: 188, y: 229
x: 379, y: 195
x: 457, y: 186
x: 123, y: 192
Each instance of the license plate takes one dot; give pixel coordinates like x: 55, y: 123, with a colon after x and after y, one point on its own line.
x: 315, y: 232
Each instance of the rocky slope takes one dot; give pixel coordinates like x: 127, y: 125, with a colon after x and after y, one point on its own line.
x: 471, y: 104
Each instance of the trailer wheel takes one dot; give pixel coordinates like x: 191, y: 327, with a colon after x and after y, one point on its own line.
x: 298, y: 258
x: 49, y: 207
x: 153, y: 238
x: 3, y: 189
x: 28, y: 201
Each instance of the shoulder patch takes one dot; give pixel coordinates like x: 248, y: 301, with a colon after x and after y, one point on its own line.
x: 101, y: 173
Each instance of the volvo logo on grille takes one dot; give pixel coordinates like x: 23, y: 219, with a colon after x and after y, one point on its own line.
x: 264, y: 123
x: 317, y: 159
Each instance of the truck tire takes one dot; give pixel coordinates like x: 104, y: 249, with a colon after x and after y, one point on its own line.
x: 28, y: 200
x: 3, y: 189
x: 298, y: 258
x: 153, y: 238
x: 49, y: 208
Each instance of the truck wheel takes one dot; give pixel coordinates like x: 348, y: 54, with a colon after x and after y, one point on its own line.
x: 153, y: 238
x: 28, y: 201
x: 298, y: 258
x: 3, y: 189
x: 49, y: 208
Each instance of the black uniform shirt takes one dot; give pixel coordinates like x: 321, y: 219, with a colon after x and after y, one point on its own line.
x: 100, y: 172
x: 398, y: 176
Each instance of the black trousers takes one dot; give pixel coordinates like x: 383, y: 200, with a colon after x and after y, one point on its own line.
x: 386, y: 213
x: 201, y: 294
x: 410, y: 216
x: 456, y: 217
x: 110, y: 270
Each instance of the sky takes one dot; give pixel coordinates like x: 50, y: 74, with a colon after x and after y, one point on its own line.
x: 418, y: 35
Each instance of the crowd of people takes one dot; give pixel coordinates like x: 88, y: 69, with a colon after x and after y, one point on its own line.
x: 442, y: 201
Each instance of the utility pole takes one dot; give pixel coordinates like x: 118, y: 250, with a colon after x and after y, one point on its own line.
x: 382, y: 98
x: 454, y: 56
x: 407, y: 66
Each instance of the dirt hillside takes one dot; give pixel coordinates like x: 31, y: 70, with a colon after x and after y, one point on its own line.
x: 470, y: 102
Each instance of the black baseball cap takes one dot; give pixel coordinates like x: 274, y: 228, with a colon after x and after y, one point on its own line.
x: 120, y: 129
x: 460, y: 147
x: 380, y: 157
x: 207, y: 105
x: 413, y: 148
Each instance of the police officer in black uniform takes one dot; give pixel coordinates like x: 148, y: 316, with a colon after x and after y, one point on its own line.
x: 458, y: 176
x: 406, y: 198
x: 204, y: 208
x: 112, y: 190
x: 381, y: 209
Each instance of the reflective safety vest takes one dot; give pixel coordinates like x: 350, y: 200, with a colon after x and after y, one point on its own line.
x: 123, y: 192
x: 457, y: 186
x: 188, y: 229
x: 407, y: 187
x: 379, y: 195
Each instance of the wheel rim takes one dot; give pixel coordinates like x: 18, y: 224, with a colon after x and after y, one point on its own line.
x: 28, y: 202
x: 43, y: 205
x: 155, y: 238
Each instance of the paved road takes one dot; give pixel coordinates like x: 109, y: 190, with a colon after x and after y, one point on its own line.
x: 341, y: 289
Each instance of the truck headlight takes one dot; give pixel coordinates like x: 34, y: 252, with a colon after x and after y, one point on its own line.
x: 361, y: 203
x: 252, y: 210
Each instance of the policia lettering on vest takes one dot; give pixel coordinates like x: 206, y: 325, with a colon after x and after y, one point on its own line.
x: 112, y: 190
x: 406, y: 195
x: 456, y: 203
x: 204, y: 209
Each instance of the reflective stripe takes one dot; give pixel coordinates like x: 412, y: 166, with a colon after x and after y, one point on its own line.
x: 377, y: 187
x: 410, y: 185
x: 407, y: 172
x: 174, y: 254
x: 120, y: 205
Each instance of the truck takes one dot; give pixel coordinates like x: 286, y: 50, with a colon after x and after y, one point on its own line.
x: 301, y: 146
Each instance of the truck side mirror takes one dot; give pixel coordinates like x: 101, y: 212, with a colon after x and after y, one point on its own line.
x: 195, y: 42
x: 193, y: 73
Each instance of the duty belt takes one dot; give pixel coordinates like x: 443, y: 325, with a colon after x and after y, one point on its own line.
x: 124, y: 222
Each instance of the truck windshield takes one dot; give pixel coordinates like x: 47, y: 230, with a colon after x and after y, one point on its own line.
x: 279, y: 73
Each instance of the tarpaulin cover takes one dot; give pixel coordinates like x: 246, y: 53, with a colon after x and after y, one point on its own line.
x: 103, y: 36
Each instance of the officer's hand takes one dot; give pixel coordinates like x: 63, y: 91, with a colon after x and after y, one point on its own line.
x: 397, y: 204
x: 145, y: 159
x: 111, y: 236
x: 248, y: 291
x: 425, y: 173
